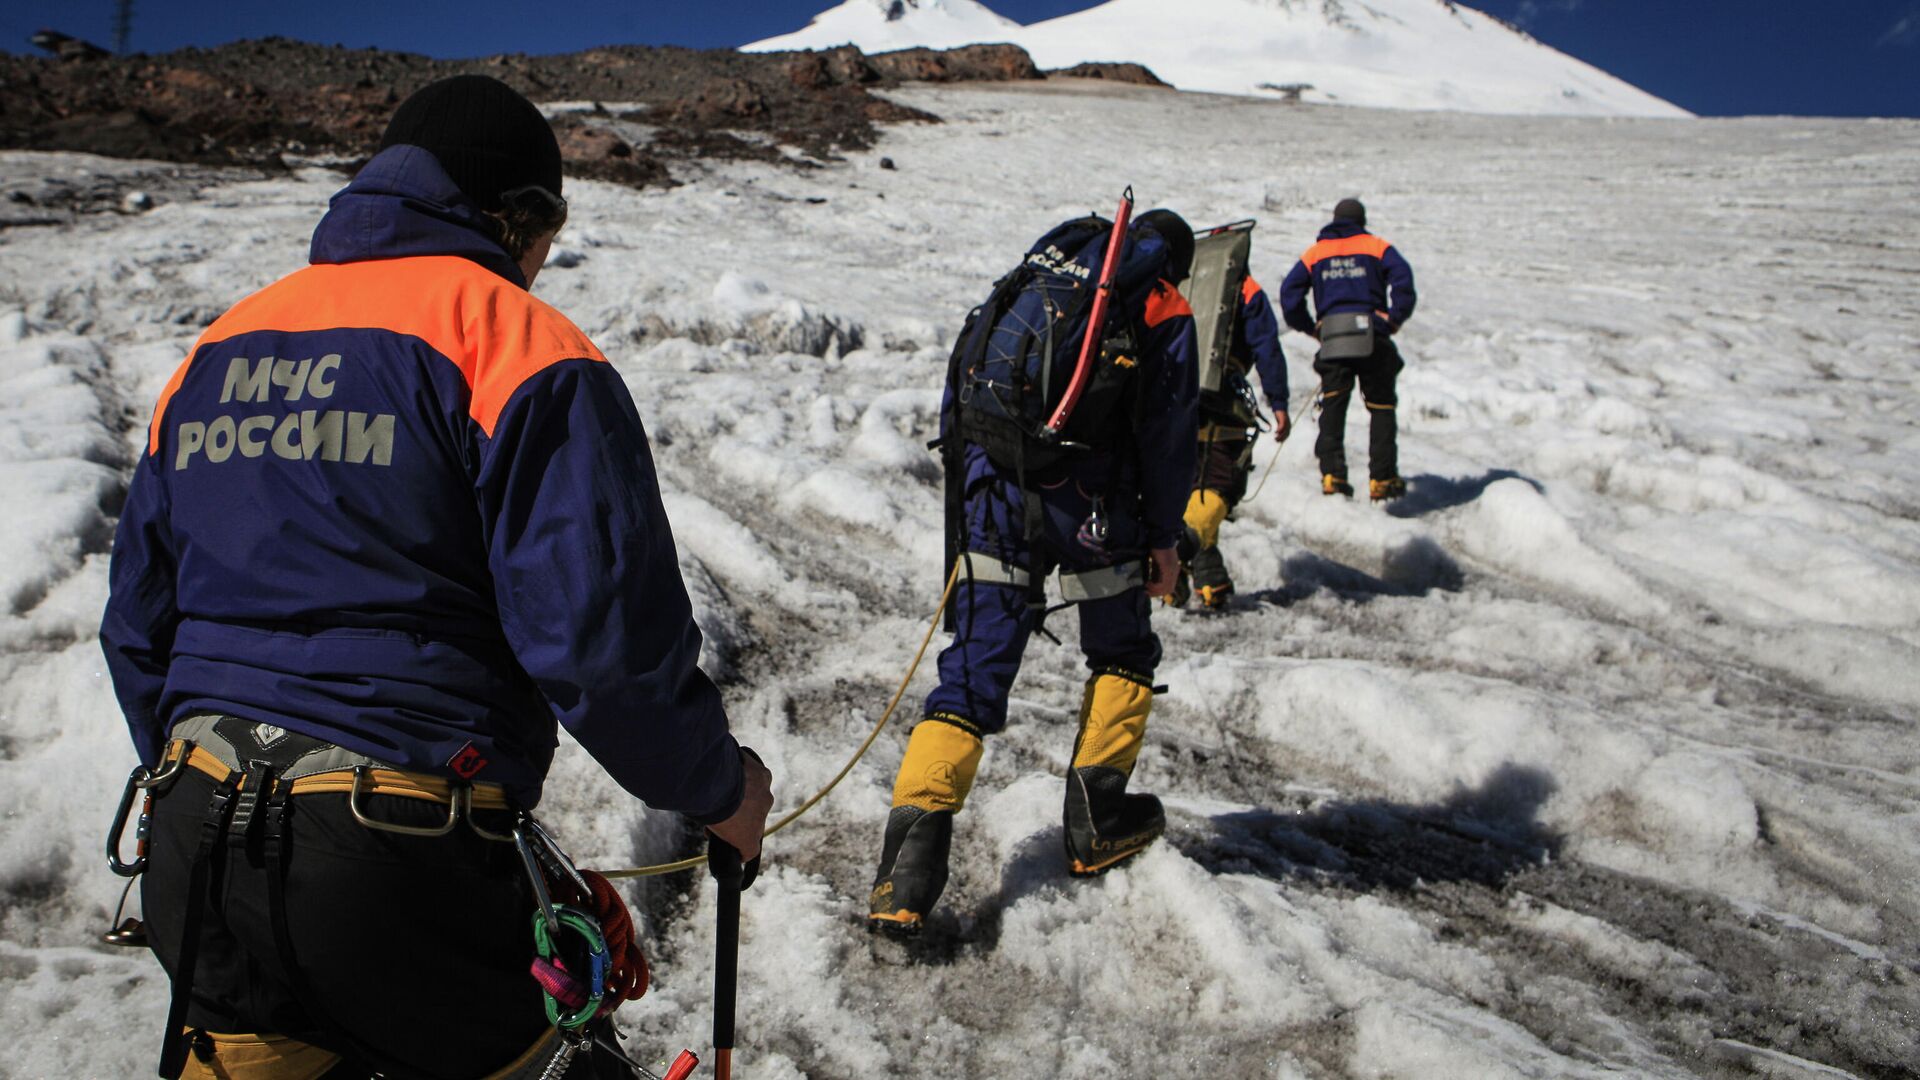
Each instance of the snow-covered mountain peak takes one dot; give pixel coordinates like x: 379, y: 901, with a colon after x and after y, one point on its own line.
x: 880, y: 25
x: 1408, y: 54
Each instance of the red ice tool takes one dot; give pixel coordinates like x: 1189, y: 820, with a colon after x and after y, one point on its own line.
x: 1097, y: 320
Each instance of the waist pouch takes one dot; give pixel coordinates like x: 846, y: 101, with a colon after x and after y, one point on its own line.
x: 1346, y: 335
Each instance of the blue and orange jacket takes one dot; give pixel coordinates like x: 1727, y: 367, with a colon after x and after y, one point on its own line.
x: 394, y: 502
x: 1256, y: 343
x: 1348, y: 269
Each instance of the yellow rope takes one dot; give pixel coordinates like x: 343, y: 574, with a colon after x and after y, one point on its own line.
x: 1278, y: 445
x: 1271, y: 462
x: 933, y: 624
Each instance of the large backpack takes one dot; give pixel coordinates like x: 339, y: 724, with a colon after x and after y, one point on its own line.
x: 1017, y: 352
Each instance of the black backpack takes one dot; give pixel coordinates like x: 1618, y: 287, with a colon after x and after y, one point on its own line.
x: 1018, y: 350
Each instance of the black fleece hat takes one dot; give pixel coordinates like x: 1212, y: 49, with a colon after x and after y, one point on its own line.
x: 1179, y: 237
x: 487, y: 137
x: 1351, y: 210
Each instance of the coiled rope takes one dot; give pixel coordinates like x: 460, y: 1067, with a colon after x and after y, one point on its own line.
x: 946, y: 597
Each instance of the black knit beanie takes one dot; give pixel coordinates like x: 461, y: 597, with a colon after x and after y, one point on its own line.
x: 486, y: 136
x: 1178, y: 235
x: 1351, y: 210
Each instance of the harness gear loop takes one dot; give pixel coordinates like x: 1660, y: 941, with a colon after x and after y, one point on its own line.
x: 946, y: 597
x: 455, y: 803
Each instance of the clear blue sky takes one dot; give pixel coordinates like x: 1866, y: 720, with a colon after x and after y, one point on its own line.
x: 1716, y: 57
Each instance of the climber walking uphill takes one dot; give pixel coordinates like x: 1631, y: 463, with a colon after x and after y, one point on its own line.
x: 395, y: 519
x: 1362, y: 295
x: 1237, y: 333
x: 1095, y: 495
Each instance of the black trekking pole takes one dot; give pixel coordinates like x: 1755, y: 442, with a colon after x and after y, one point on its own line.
x: 732, y: 877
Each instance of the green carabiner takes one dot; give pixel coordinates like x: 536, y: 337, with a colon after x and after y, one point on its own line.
x: 597, y: 963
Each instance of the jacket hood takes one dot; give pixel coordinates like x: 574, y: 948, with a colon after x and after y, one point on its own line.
x: 1340, y: 230
x: 403, y: 204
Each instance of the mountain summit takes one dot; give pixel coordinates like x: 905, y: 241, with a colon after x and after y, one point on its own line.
x: 880, y: 25
x: 1402, y: 54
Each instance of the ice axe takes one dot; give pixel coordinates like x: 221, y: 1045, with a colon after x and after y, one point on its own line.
x: 732, y: 876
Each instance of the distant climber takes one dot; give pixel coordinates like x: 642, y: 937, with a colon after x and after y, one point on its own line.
x: 1247, y: 339
x: 1362, y: 295
x: 1101, y: 505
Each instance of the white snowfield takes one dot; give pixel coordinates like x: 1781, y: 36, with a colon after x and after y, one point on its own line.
x: 1396, y: 54
x: 1594, y: 756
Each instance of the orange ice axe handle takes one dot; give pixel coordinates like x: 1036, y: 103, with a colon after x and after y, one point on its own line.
x: 1097, y: 319
x: 683, y: 1066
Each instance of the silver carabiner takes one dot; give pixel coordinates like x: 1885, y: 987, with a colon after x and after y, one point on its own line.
x: 538, y: 879
x: 559, y: 858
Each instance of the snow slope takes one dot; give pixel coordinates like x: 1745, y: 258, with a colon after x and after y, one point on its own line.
x: 1401, y: 54
x: 883, y: 25
x: 1596, y: 756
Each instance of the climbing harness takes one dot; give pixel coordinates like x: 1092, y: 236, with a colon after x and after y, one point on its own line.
x: 580, y: 914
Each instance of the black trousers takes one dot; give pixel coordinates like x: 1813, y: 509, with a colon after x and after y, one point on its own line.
x: 409, y: 954
x: 1375, y: 375
x: 1224, y: 464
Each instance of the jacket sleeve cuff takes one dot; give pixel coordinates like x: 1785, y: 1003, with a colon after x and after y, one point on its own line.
x: 736, y: 793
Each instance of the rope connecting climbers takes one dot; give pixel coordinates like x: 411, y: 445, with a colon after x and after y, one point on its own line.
x: 1271, y: 463
x: 946, y: 597
x: 1278, y: 445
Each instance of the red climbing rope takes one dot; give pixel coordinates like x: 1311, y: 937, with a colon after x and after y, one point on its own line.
x: 626, y: 964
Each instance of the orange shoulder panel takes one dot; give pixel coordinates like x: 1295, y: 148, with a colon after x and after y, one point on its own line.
x: 495, y: 332
x: 1364, y: 244
x: 1249, y: 289
x: 1165, y: 303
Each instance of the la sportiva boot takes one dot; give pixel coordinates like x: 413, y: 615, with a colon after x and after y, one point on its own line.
x: 1335, y: 485
x: 1105, y: 825
x: 1211, y: 582
x: 1391, y: 488
x: 1206, y: 509
x: 943, y: 753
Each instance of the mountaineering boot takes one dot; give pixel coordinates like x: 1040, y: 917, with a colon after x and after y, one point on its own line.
x: 913, y: 870
x: 1391, y: 488
x: 1211, y: 582
x: 1335, y: 485
x: 1104, y: 824
x: 943, y: 753
x: 1206, y: 511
